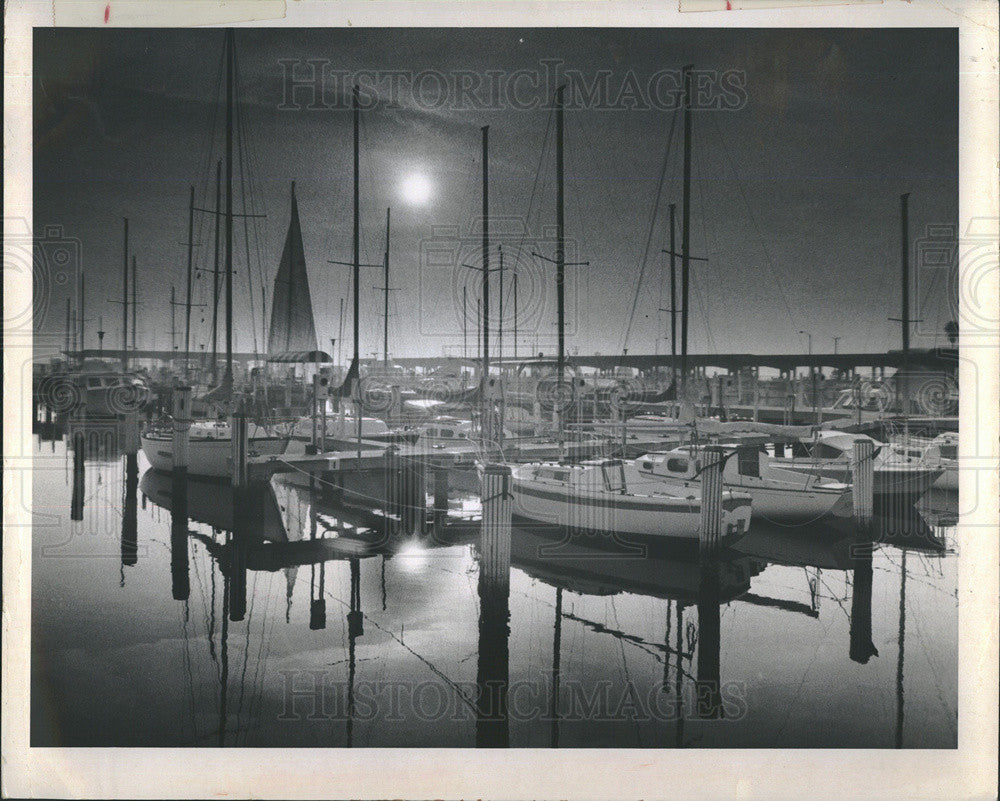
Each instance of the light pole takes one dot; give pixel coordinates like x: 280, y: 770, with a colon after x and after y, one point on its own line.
x: 835, y: 341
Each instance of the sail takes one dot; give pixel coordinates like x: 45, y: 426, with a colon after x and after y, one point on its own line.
x: 292, y: 324
x: 345, y: 389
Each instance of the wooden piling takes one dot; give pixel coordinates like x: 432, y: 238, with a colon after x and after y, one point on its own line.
x: 710, y: 530
x: 315, y: 412
x: 180, y: 582
x: 240, y: 431
x: 79, y: 453
x: 182, y: 429
x: 863, y: 479
x: 440, y: 489
x: 498, y: 506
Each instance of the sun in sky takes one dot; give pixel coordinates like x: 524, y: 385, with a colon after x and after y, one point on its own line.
x: 416, y: 189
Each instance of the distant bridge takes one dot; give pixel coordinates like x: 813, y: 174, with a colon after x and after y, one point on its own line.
x: 938, y: 359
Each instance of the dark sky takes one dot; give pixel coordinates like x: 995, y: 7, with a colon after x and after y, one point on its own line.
x: 795, y: 198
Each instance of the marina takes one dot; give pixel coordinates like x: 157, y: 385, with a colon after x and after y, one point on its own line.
x: 639, y: 511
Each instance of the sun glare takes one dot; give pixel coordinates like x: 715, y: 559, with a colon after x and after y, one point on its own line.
x: 416, y: 189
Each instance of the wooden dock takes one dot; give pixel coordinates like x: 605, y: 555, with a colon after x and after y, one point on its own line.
x: 373, y: 456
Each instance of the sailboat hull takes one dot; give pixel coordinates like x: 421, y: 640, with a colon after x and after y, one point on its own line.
x: 660, y: 518
x: 207, y: 458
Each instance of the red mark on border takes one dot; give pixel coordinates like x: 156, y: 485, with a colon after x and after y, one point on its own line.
x: 107, y: 13
x: 729, y: 7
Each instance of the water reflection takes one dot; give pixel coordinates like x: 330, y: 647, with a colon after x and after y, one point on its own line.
x: 724, y: 649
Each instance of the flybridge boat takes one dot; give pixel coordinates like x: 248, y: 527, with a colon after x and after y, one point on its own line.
x: 831, y: 455
x: 210, y: 451
x: 778, y: 494
x: 595, y: 496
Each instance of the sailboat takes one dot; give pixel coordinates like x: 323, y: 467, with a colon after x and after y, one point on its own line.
x: 778, y: 494
x: 596, y: 495
x: 210, y: 442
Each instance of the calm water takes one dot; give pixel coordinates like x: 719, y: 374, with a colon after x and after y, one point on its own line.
x: 140, y: 636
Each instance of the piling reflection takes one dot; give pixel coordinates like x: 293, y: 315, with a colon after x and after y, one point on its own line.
x: 492, y: 675
x: 285, y: 526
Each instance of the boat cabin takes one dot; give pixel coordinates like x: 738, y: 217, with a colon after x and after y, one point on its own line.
x: 686, y: 463
x: 607, y: 475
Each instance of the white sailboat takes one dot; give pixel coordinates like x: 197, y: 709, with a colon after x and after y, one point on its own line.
x: 595, y: 496
x: 778, y: 494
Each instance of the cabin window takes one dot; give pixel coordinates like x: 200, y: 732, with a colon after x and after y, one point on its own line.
x: 949, y: 451
x: 647, y: 466
x: 748, y: 462
x: 614, y: 480
x: 677, y: 465
x: 446, y: 433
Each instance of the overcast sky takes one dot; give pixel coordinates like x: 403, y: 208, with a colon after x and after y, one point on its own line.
x: 805, y: 143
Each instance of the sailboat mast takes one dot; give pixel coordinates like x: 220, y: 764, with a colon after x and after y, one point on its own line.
x: 686, y: 225
x: 357, y: 226
x: 228, y: 376
x: 500, y: 317
x: 135, y: 329
x: 385, y: 305
x: 673, y: 294
x: 904, y: 219
x: 190, y: 267
x: 125, y: 299
x: 215, y: 274
x: 515, y: 310
x: 486, y: 256
x: 83, y: 296
x: 560, y: 258
x: 69, y: 329
x: 173, y: 320
x: 465, y: 320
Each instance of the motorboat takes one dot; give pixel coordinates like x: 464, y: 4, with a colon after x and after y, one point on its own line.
x: 937, y: 452
x: 342, y: 430
x: 595, y: 496
x: 778, y: 494
x: 830, y: 454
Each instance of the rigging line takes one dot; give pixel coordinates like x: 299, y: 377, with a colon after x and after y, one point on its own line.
x: 453, y: 684
x: 265, y: 636
x: 703, y: 303
x: 242, y: 143
x: 724, y: 147
x: 538, y: 174
x: 208, y: 627
x: 257, y: 202
x: 652, y: 227
x: 246, y: 654
x: 708, y: 280
x: 187, y: 667
x: 628, y: 676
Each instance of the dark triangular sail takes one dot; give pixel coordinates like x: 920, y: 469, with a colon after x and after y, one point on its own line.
x: 346, y: 388
x: 292, y: 324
